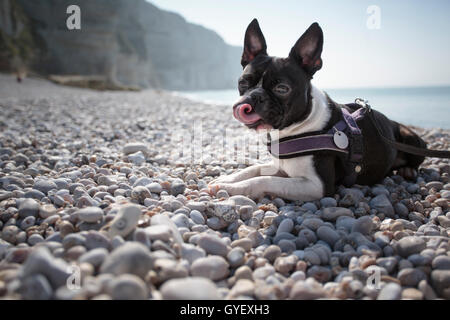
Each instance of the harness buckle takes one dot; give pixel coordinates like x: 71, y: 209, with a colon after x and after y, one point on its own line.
x: 363, y: 103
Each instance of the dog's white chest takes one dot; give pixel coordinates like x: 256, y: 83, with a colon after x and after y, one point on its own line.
x: 298, y: 167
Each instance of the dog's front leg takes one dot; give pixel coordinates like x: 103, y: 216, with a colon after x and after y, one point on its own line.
x: 301, y: 188
x: 267, y: 169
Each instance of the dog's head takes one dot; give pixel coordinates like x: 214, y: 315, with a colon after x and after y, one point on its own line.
x: 275, y: 92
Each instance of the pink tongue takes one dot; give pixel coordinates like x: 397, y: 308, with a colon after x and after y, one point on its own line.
x: 245, y: 114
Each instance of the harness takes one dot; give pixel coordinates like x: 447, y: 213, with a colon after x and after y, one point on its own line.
x: 344, y: 139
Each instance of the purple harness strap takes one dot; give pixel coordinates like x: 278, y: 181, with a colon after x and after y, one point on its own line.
x: 297, y: 146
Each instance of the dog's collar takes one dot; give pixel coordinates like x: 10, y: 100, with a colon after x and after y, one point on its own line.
x: 344, y: 139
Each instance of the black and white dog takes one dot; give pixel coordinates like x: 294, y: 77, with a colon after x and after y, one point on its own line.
x: 277, y: 94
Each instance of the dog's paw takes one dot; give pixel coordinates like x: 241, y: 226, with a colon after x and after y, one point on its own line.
x: 222, y: 179
x: 234, y: 189
x: 407, y: 173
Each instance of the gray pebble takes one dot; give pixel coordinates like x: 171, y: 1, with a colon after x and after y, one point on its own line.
x: 285, y: 226
x: 194, y: 288
x: 134, y: 147
x: 28, y: 207
x: 391, y: 291
x: 411, y: 277
x: 363, y: 225
x: 131, y: 257
x: 90, y: 214
x: 34, y: 239
x: 211, y: 267
x: 27, y: 222
x: 213, y: 245
x: 328, y: 235
x: 35, y: 287
x: 382, y: 204
x: 94, y: 257
x: 44, y: 185
x: 236, y: 257
x: 128, y: 287
x: 41, y: 261
x: 197, y: 217
x: 328, y: 202
x: 441, y: 262
x: 332, y: 213
x: 440, y: 279
x: 410, y: 245
x: 271, y: 253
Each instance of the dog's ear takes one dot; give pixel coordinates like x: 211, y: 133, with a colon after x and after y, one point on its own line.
x: 308, y: 49
x: 254, y: 43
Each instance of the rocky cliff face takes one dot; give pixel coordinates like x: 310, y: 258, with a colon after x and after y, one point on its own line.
x: 130, y: 42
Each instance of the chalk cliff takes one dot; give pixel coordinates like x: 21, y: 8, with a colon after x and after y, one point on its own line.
x: 129, y: 42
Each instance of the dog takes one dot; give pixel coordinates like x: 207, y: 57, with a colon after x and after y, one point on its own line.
x: 277, y: 95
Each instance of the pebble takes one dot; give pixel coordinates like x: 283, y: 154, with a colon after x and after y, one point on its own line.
x: 309, y: 289
x: 134, y: 147
x: 41, y: 261
x: 243, y: 201
x: 131, y: 257
x: 440, y: 279
x: 391, y: 291
x: 197, y: 217
x: 328, y: 235
x: 441, y: 262
x: 159, y: 232
x: 194, y: 288
x: 46, y: 211
x: 125, y: 221
x: 410, y: 245
x: 95, y: 257
x: 363, y: 225
x: 244, y: 243
x: 285, y: 226
x: 213, y: 245
x: 332, y: 213
x: 28, y: 207
x: 27, y: 222
x: 128, y: 287
x: 211, y: 267
x: 328, y: 202
x: 351, y: 197
x: 35, y: 287
x: 411, y: 277
x: 271, y: 253
x: 90, y: 214
x: 389, y: 263
x: 242, y: 288
x: 191, y: 252
x: 44, y: 186
x: 154, y: 187
x: 321, y: 274
x: 412, y: 294
x: 382, y: 204
x: 236, y: 257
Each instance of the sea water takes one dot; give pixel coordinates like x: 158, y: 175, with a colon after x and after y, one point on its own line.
x: 426, y: 107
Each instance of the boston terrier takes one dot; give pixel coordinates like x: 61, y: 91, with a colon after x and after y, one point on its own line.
x: 277, y: 96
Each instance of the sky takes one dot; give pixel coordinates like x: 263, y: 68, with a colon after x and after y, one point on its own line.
x: 411, y: 47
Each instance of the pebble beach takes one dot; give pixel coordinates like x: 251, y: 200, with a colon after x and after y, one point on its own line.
x: 98, y: 202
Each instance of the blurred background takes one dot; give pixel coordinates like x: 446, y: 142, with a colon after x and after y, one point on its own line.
x: 393, y: 53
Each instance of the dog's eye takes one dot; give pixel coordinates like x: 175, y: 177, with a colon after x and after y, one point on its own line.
x: 282, y: 89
